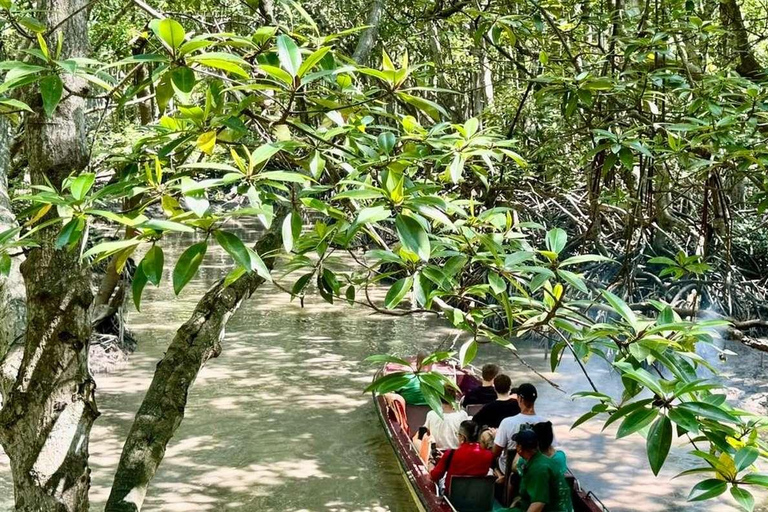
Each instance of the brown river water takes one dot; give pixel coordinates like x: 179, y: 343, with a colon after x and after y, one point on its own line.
x: 278, y: 421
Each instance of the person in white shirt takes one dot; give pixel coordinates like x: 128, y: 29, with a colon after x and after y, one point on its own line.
x: 445, y: 431
x: 503, y: 443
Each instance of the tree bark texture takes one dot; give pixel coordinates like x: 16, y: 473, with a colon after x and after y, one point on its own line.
x: 46, y: 421
x: 747, y: 66
x: 162, y: 410
x: 368, y: 38
x: 12, y: 297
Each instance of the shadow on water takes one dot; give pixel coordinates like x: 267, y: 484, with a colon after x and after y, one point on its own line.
x: 278, y: 421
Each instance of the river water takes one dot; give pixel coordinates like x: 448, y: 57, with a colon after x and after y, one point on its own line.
x: 278, y: 421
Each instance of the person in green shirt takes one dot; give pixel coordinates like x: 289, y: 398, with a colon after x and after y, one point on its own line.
x: 546, y: 437
x: 542, y: 487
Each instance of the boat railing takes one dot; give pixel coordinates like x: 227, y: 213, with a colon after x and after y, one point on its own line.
x: 593, y: 496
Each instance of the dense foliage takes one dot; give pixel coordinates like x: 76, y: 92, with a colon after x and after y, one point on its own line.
x: 595, y: 155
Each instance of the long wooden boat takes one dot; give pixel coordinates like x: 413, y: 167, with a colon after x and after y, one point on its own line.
x: 415, y: 473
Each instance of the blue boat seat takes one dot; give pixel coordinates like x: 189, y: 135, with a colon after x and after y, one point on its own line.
x: 472, y: 493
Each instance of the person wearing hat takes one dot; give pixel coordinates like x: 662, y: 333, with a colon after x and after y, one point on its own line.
x: 542, y: 487
x: 504, y: 444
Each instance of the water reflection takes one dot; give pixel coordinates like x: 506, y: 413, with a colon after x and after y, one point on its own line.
x: 278, y: 421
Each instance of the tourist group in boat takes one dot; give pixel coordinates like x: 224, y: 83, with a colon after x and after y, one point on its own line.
x: 495, y: 430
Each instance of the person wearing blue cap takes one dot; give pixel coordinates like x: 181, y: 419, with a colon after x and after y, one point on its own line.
x: 542, y: 487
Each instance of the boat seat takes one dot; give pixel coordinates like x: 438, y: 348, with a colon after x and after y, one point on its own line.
x: 417, y: 415
x: 472, y: 493
x: 474, y: 409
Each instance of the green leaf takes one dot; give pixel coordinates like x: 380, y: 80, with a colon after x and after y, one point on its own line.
x: 5, y: 264
x: 70, y: 233
x: 301, y: 283
x: 389, y: 383
x: 106, y: 248
x: 187, y: 265
x: 221, y: 60
x: 583, y: 258
x: 183, y: 80
x: 166, y: 225
x: 622, y: 309
x: 556, y: 240
x: 497, y: 282
x: 313, y: 59
x: 138, y: 283
x: 468, y: 352
x: 51, y: 89
x: 708, y: 411
x: 386, y: 141
x: 756, y: 479
x: 573, y: 280
x: 745, y: 457
x: 385, y: 358
x: 456, y: 168
x: 635, y: 421
x: 744, y: 498
x: 262, y: 154
x: 81, y: 185
x: 372, y: 215
x: 10, y: 104
x: 152, y: 265
x: 429, y: 107
x: 706, y: 489
x: 169, y: 31
x: 658, y: 443
x: 625, y: 410
x: 289, y: 54
x: 413, y: 236
x: 235, y: 248
x: 398, y: 292
x: 350, y: 295
x: 277, y: 73
x: 259, y: 266
x: 291, y: 230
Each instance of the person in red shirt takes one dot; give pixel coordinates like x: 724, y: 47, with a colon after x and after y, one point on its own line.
x: 469, y: 459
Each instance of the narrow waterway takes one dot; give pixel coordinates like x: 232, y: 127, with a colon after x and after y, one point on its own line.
x: 278, y: 421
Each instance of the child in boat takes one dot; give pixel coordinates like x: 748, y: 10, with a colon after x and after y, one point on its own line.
x: 485, y: 394
x: 469, y: 459
x: 505, y: 405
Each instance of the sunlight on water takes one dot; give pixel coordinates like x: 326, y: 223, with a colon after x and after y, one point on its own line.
x: 278, y: 422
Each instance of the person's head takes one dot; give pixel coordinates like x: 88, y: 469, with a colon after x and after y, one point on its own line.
x: 448, y: 398
x: 526, y: 396
x: 502, y: 384
x: 468, y: 431
x: 527, y: 443
x: 544, y: 434
x: 489, y: 372
x: 420, y: 357
x: 487, y: 439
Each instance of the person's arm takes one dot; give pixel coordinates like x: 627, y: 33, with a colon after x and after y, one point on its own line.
x: 537, y: 507
x: 500, y: 441
x: 438, y: 471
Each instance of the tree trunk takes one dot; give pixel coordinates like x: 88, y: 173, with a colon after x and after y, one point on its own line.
x: 162, y: 410
x: 738, y: 40
x: 46, y: 421
x: 12, y: 297
x: 368, y: 38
